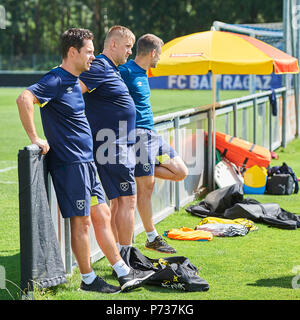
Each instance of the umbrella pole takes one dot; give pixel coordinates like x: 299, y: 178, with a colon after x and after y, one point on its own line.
x: 213, y: 130
x: 211, y: 157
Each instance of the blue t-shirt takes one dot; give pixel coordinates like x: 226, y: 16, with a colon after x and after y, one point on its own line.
x: 137, y: 82
x: 108, y: 102
x: 64, y: 122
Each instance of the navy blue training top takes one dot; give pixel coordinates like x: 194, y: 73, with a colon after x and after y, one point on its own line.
x: 64, y: 122
x: 137, y: 82
x: 108, y: 102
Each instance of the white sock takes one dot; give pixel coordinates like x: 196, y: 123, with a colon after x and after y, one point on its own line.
x: 121, y: 268
x: 88, y: 278
x: 152, y: 235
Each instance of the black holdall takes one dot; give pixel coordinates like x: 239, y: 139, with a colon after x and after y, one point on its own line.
x: 280, y: 184
x: 171, y: 272
x: 283, y: 169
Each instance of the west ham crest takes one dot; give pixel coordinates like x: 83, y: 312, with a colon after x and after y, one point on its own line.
x: 80, y: 204
x: 124, y: 186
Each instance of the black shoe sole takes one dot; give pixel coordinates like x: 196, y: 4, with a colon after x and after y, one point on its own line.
x: 84, y: 290
x: 135, y: 283
x: 167, y: 252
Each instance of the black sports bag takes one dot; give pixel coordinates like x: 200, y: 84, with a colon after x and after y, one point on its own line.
x: 280, y: 184
x: 171, y: 272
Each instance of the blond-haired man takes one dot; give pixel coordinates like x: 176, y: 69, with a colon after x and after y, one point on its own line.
x: 111, y: 113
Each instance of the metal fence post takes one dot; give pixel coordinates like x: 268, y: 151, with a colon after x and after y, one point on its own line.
x: 270, y: 128
x: 284, y: 102
x: 254, y: 119
x: 209, y: 151
x: 68, y: 250
x: 177, y: 146
x: 297, y: 79
x: 235, y: 119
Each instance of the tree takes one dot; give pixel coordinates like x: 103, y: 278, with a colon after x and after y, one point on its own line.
x: 35, y: 26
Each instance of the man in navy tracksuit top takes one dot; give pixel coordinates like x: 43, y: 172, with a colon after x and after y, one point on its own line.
x: 110, y: 111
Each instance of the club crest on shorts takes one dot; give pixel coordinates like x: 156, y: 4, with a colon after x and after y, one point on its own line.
x: 146, y: 167
x: 80, y: 204
x: 124, y: 186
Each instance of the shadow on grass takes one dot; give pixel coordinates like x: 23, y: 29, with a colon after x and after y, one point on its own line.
x: 281, y: 282
x: 10, y: 276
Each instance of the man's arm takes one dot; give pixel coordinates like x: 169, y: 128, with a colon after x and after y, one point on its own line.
x: 84, y: 88
x: 25, y: 102
x: 91, y: 79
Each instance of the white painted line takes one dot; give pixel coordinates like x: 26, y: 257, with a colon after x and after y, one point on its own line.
x: 8, y: 169
x: 8, y: 182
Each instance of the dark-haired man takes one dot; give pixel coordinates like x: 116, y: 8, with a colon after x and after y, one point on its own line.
x: 155, y: 156
x: 69, y: 149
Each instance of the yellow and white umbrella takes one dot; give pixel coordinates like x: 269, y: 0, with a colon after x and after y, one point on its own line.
x: 221, y: 52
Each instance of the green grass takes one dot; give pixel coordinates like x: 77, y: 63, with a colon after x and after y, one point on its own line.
x: 257, y: 266
x: 177, y: 100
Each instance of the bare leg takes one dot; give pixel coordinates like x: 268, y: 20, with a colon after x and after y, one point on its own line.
x: 100, y: 214
x: 174, y: 169
x: 80, y: 242
x: 124, y: 219
x: 114, y: 204
x: 145, y: 187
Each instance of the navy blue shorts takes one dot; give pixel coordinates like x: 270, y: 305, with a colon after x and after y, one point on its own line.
x: 117, y: 176
x: 77, y: 188
x: 151, y: 150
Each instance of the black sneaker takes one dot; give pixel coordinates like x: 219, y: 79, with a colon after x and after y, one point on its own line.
x: 160, y: 245
x: 134, y: 279
x: 99, y: 285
